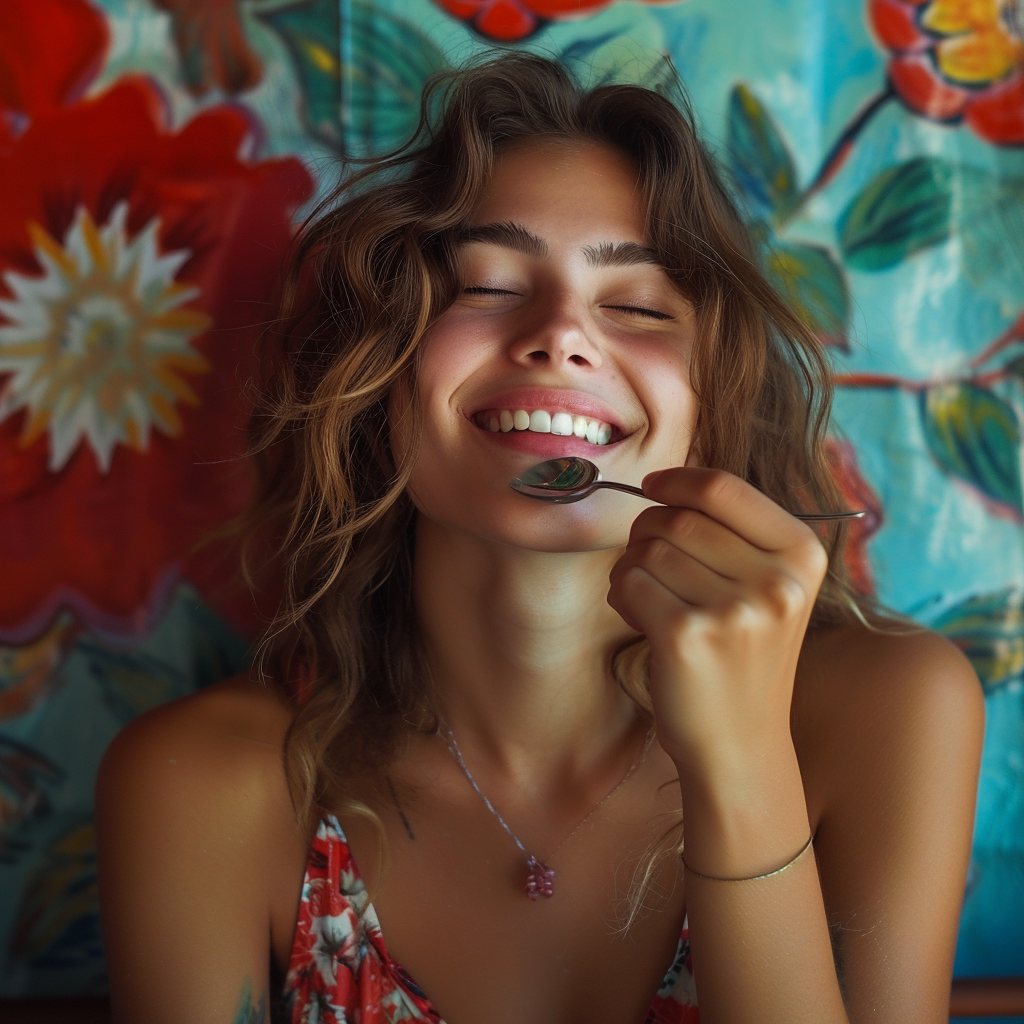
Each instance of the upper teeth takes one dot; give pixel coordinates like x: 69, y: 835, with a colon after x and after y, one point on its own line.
x: 543, y: 422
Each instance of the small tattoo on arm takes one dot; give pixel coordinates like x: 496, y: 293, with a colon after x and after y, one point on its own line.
x: 249, y: 1012
x: 398, y: 807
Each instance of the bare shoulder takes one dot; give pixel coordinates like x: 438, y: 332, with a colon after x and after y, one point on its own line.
x: 222, y: 743
x: 888, y: 728
x: 866, y: 700
x: 856, y: 670
x: 205, y: 772
x: 194, y: 794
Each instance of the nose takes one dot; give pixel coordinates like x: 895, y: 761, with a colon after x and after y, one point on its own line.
x: 556, y: 337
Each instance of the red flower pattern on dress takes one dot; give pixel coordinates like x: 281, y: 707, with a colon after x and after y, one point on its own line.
x: 340, y: 970
x: 515, y: 20
x: 135, y: 260
x: 957, y: 60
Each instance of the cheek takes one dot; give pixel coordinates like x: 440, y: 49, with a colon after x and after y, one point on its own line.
x: 449, y: 355
x: 670, y: 401
x: 437, y: 362
x: 452, y: 349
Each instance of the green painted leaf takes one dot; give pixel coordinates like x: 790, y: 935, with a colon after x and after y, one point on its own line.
x: 57, y: 924
x: 616, y: 54
x: 906, y: 208
x: 990, y: 223
x: 759, y: 157
x: 624, y: 43
x: 989, y: 629
x: 311, y: 30
x: 974, y: 435
x: 133, y: 681
x: 814, y: 285
x: 25, y: 775
x: 390, y: 62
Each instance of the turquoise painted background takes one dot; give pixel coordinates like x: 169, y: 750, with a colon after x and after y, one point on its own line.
x: 877, y: 147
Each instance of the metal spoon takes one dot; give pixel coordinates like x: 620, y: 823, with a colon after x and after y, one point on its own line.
x: 563, y: 481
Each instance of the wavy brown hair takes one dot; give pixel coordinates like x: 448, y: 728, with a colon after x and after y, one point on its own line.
x: 370, y: 272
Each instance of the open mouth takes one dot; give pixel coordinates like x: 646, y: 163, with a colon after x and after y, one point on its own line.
x: 543, y: 421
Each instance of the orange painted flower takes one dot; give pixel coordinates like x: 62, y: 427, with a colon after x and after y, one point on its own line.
x: 515, y: 20
x: 957, y: 60
x: 30, y: 670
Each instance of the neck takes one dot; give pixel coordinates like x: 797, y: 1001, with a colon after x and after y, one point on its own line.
x: 519, y: 644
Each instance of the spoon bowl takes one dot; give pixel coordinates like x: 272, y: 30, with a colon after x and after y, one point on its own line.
x: 559, y: 481
x: 568, y: 479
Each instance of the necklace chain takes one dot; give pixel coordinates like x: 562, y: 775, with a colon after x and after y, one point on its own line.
x: 453, y: 746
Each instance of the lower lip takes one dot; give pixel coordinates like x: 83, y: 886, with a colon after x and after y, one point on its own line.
x: 548, y: 446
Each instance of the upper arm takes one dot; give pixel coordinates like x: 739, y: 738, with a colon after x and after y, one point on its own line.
x: 894, y: 838
x: 189, y: 799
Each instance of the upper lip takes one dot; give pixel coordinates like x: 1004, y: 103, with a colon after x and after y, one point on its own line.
x: 553, y: 400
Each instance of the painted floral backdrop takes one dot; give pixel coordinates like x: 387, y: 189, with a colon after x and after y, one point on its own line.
x: 154, y: 156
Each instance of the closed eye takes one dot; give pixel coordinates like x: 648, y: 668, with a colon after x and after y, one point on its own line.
x: 643, y: 311
x: 654, y: 314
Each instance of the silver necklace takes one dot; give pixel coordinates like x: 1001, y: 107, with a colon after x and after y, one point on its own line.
x: 540, y: 879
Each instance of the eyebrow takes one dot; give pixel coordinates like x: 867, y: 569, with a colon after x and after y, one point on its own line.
x: 621, y: 254
x: 510, y: 235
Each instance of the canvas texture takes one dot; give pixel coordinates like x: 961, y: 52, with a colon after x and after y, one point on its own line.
x: 155, y: 157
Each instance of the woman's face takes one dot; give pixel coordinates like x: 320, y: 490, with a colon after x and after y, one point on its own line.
x: 564, y: 317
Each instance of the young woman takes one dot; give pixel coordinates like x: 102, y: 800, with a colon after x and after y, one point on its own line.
x: 574, y: 763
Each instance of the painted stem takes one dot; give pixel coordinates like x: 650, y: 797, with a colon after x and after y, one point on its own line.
x: 841, y: 148
x: 886, y: 381
x: 876, y: 380
x: 1015, y: 332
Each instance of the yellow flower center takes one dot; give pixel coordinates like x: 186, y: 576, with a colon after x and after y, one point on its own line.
x: 980, y: 43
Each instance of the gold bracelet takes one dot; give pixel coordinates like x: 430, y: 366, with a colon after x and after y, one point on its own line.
x: 753, y: 878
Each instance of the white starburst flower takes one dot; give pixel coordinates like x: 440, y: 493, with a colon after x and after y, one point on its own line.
x: 97, y: 344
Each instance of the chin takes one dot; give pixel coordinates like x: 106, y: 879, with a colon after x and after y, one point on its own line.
x: 520, y: 522
x: 562, y: 541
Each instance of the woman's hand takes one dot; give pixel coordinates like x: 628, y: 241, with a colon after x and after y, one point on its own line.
x: 722, y: 582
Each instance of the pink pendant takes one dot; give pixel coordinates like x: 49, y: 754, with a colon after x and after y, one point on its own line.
x: 540, y: 880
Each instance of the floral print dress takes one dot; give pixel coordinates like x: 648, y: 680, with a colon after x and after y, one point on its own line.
x: 340, y: 971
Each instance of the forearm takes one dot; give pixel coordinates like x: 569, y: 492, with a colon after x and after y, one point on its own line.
x: 761, y: 948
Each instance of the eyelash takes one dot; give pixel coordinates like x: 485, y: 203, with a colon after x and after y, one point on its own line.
x: 638, y: 310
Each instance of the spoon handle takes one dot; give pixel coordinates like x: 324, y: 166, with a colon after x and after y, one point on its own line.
x: 817, y: 518
x: 628, y: 488
x: 830, y: 515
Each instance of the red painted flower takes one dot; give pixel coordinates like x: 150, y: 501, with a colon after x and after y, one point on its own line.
x: 134, y: 262
x: 513, y: 20
x: 50, y: 50
x: 957, y: 60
